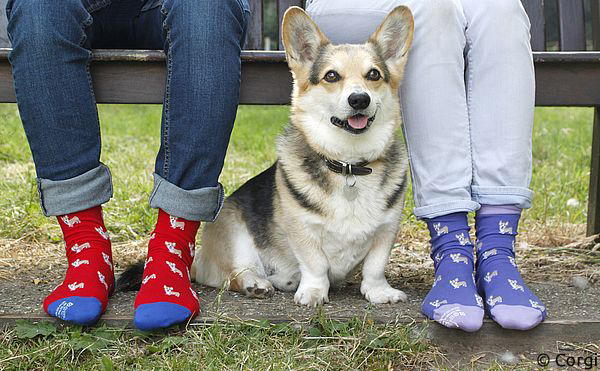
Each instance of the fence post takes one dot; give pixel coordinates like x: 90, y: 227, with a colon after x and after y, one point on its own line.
x: 282, y: 6
x: 535, y: 11
x: 254, y: 33
x: 571, y: 23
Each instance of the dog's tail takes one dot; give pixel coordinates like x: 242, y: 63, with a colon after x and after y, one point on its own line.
x: 131, y: 278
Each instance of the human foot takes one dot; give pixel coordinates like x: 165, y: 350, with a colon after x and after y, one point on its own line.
x: 89, y: 281
x: 166, y: 297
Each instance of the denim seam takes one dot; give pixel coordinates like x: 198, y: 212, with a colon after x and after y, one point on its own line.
x: 470, y: 101
x: 167, y: 100
x: 416, y: 197
x: 242, y: 10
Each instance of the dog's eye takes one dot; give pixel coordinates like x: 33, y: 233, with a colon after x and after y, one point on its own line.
x: 373, y: 75
x: 332, y: 76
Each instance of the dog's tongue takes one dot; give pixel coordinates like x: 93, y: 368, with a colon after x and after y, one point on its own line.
x: 358, y: 121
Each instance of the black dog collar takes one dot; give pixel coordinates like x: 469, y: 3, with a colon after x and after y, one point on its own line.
x: 348, y: 169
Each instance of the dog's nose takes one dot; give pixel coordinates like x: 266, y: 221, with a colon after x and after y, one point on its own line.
x: 359, y: 100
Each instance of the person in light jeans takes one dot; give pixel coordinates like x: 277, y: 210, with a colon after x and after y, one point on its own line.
x: 52, y: 42
x: 468, y: 104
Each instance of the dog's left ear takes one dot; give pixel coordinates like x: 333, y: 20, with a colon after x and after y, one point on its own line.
x: 394, y: 35
x: 301, y: 37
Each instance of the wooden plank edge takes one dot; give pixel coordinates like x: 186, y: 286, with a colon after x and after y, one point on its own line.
x: 118, y: 55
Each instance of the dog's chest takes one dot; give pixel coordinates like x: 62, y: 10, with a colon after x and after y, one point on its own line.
x: 348, y: 230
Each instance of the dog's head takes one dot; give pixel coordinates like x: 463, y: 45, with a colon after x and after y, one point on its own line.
x: 345, y: 97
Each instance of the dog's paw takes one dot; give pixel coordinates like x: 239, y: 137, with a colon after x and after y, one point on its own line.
x: 258, y: 288
x: 311, y: 296
x: 382, y: 294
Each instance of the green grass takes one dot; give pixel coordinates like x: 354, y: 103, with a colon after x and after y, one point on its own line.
x: 130, y: 141
x: 319, y: 344
x: 130, y: 136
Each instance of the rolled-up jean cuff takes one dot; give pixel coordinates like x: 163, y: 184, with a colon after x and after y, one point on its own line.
x: 445, y: 208
x: 60, y: 197
x: 519, y: 196
x: 202, y: 204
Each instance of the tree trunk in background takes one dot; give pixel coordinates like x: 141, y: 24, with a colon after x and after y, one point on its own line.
x: 3, y: 37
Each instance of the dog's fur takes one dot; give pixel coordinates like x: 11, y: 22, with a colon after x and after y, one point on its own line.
x: 291, y: 227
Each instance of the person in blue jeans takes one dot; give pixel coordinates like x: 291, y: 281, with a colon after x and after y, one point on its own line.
x: 52, y: 42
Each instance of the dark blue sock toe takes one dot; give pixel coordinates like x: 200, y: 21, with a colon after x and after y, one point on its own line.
x: 79, y: 310
x: 154, y: 316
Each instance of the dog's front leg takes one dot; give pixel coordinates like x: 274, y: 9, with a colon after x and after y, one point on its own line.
x: 314, y: 268
x: 374, y: 285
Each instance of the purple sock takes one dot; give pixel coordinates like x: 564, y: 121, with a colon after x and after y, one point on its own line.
x: 508, y: 300
x: 453, y: 300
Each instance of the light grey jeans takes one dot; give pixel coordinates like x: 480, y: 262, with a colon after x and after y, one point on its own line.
x: 467, y: 96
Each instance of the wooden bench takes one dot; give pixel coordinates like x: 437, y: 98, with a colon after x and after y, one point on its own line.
x: 569, y: 77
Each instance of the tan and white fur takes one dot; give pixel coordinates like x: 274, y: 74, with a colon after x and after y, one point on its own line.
x: 292, y: 227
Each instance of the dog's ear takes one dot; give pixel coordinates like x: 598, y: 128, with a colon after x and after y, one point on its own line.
x: 394, y: 35
x: 301, y: 37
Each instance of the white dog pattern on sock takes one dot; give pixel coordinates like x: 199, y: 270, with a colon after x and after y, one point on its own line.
x: 479, y: 300
x: 176, y: 224
x: 504, y: 228
x: 457, y: 284
x: 107, y: 260
x: 438, y: 303
x: 489, y: 253
x: 439, y: 229
x: 169, y: 291
x: 102, y: 279
x: 102, y: 233
x: 78, y: 248
x: 70, y: 222
x: 148, y: 278
x: 494, y: 300
x: 74, y: 286
x: 462, y: 240
x: 515, y: 285
x: 458, y: 258
x: 79, y: 262
x: 174, y: 269
x: 172, y: 249
x: 536, y: 305
x: 488, y: 277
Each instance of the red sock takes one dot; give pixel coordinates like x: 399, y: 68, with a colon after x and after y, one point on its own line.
x: 166, y: 296
x: 89, y: 281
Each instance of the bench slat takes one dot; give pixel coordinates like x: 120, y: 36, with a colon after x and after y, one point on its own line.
x: 571, y: 25
x: 563, y: 79
x: 282, y: 6
x: 254, y: 32
x: 595, y: 11
x: 535, y: 11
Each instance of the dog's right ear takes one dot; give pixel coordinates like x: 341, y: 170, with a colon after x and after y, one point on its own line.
x: 301, y: 37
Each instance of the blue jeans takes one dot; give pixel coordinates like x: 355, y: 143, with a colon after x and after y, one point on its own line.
x: 468, y: 97
x: 52, y: 44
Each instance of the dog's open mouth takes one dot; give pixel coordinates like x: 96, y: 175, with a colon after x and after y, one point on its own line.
x: 356, y: 124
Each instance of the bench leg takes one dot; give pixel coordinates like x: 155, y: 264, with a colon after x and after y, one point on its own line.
x: 593, y: 222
